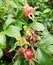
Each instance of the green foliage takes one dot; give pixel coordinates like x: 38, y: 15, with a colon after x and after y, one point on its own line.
x: 2, y: 40
x: 43, y: 57
x: 1, y: 53
x: 14, y: 27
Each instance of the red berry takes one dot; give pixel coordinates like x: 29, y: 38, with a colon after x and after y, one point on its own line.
x: 6, y: 50
x: 28, y: 54
x: 28, y: 10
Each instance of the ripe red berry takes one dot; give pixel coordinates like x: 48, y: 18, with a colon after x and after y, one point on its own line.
x: 6, y: 50
x: 29, y: 54
x: 28, y: 10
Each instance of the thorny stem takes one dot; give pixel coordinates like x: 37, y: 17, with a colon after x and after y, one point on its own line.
x: 34, y: 55
x: 14, y: 57
x: 35, y: 60
x: 21, y: 42
x: 31, y: 62
x: 33, y: 51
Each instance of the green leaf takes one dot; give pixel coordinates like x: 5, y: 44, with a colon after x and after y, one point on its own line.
x: 8, y: 22
x: 1, y: 2
x: 1, y: 53
x: 20, y: 13
x: 46, y: 10
x: 10, y: 16
x: 2, y: 40
x: 19, y: 24
x: 23, y: 1
x: 2, y: 12
x: 37, y: 26
x: 17, y: 62
x: 13, y: 47
x: 37, y: 13
x: 16, y: 2
x: 49, y: 49
x: 43, y: 0
x: 12, y: 44
x: 43, y: 58
x: 13, y: 4
x: 47, y: 40
x: 1, y: 27
x: 12, y: 31
x: 26, y: 63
